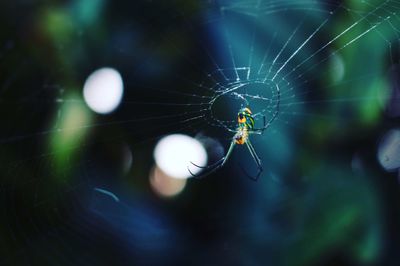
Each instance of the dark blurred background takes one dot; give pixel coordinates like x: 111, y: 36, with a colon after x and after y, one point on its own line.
x: 104, y: 104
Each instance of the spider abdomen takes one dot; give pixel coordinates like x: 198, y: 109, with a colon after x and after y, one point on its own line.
x: 241, y: 136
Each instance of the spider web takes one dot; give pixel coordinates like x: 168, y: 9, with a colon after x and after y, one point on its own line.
x: 292, y: 62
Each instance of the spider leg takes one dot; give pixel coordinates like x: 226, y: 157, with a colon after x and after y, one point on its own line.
x: 259, y: 131
x: 275, y: 115
x: 256, y: 159
x: 231, y: 130
x: 215, y: 166
x: 209, y: 166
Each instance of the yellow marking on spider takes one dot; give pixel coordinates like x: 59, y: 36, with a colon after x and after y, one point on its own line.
x: 247, y: 110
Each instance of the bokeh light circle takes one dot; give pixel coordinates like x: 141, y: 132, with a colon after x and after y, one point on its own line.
x: 164, y: 185
x: 174, y: 154
x: 389, y: 150
x: 103, y: 90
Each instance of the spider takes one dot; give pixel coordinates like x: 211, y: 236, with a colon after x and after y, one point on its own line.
x: 245, y: 129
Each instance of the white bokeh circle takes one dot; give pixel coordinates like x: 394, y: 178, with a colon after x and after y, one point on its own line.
x: 103, y: 90
x: 173, y: 155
